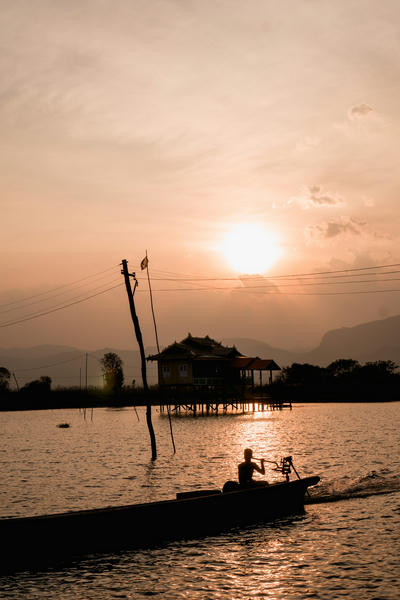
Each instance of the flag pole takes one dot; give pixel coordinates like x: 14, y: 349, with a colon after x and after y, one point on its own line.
x: 145, y: 265
x: 145, y: 262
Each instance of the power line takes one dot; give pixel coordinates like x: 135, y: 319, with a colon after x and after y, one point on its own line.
x: 55, y: 296
x: 330, y: 293
x: 298, y: 282
x: 62, y: 304
x: 36, y: 316
x: 265, y: 278
x: 63, y: 362
x: 245, y: 289
x: 289, y: 276
x: 59, y: 287
x: 341, y: 270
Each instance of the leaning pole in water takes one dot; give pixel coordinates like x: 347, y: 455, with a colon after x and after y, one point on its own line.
x: 142, y: 355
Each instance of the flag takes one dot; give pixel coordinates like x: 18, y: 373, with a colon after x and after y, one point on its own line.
x: 144, y: 263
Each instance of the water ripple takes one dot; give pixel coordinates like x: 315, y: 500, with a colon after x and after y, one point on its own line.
x: 335, y: 550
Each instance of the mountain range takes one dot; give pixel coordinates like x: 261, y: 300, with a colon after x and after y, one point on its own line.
x: 68, y: 366
x: 368, y: 342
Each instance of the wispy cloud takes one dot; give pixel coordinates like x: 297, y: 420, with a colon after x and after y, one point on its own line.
x: 359, y: 111
x: 334, y: 228
x: 316, y: 195
x: 361, y: 122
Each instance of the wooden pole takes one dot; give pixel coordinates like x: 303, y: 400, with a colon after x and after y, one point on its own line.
x: 146, y: 263
x: 142, y: 355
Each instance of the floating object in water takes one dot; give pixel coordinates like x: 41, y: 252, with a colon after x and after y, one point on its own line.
x: 64, y: 425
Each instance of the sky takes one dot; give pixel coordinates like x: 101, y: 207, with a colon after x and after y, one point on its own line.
x: 246, y: 146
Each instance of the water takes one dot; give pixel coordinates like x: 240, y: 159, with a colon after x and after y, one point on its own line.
x: 346, y: 545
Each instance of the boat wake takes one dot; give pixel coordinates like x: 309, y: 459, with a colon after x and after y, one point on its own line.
x: 373, y: 483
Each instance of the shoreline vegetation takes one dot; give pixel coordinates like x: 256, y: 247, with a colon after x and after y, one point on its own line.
x: 344, y: 380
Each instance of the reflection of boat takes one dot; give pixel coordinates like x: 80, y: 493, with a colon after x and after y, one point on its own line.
x: 43, y: 538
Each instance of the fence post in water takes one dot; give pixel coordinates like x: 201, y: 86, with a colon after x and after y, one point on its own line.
x: 142, y: 355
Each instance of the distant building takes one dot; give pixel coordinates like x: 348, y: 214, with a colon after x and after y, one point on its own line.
x: 198, y: 362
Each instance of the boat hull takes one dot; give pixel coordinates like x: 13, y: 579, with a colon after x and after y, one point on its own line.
x: 45, y: 538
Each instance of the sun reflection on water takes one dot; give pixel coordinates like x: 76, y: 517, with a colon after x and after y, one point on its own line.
x: 342, y: 549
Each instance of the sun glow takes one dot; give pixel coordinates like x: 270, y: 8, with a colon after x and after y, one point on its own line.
x: 250, y: 248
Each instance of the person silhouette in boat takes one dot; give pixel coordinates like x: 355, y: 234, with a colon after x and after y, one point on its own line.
x: 247, y: 468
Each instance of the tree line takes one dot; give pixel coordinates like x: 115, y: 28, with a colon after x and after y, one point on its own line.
x: 111, y: 366
x: 343, y: 379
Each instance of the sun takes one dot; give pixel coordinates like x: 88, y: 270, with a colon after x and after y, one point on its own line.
x: 250, y: 248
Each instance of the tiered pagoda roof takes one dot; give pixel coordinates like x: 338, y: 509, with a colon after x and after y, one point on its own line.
x: 196, y: 348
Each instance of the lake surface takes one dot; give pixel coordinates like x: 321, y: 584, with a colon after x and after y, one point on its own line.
x: 346, y: 545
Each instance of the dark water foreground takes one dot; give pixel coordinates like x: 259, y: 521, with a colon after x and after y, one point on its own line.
x: 346, y: 545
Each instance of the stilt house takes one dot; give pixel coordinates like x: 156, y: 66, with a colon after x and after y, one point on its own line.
x: 198, y: 362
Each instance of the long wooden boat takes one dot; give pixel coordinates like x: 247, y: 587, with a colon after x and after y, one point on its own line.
x: 30, y: 540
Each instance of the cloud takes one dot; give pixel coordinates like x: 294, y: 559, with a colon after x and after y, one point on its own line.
x: 319, y: 197
x: 359, y: 111
x: 361, y: 120
x: 316, y: 195
x: 334, y: 228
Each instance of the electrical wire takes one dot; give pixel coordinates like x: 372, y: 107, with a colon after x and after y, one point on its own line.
x: 271, y: 287
x: 59, y: 287
x: 349, y: 293
x: 63, y: 362
x: 267, y: 278
x: 66, y: 300
x: 245, y: 289
x: 36, y: 316
x: 249, y: 287
x: 57, y: 295
x: 290, y: 276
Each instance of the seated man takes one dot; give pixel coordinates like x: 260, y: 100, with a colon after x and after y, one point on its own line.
x: 247, y: 468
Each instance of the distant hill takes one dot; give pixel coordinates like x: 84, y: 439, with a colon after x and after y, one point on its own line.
x: 66, y: 365
x: 250, y: 347
x: 375, y: 340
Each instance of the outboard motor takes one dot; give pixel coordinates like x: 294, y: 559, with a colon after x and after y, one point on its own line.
x: 285, y: 468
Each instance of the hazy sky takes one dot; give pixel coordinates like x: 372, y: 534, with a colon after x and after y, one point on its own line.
x: 129, y: 125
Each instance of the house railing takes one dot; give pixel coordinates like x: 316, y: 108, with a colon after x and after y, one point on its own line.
x: 207, y: 381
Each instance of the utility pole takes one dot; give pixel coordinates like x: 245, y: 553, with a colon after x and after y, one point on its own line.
x: 139, y: 338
